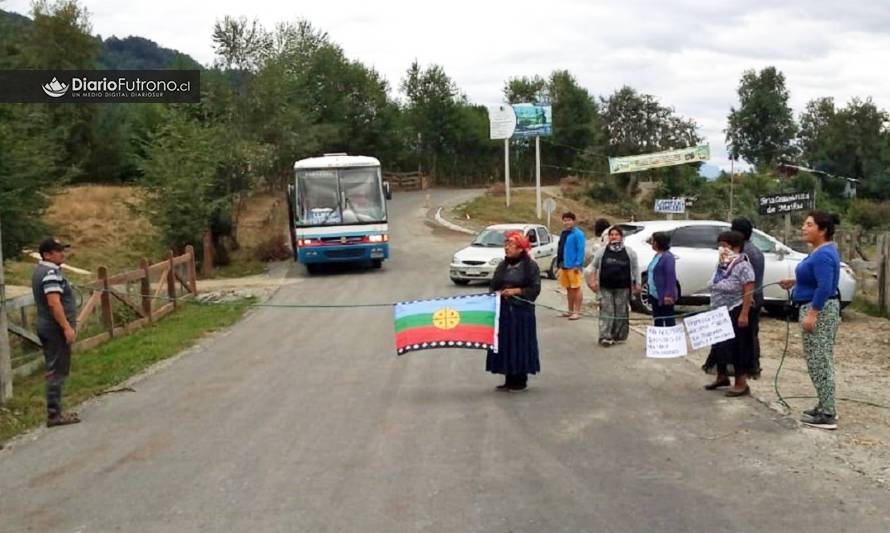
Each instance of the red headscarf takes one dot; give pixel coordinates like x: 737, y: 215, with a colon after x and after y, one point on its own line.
x: 519, y: 240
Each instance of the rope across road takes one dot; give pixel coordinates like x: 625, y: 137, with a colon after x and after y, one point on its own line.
x: 594, y: 316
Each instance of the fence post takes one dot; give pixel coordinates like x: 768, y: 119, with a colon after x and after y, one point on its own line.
x: 105, y: 299
x: 207, y: 263
x: 883, y: 260
x: 171, y: 279
x: 5, y: 353
x: 145, y: 289
x: 193, y: 272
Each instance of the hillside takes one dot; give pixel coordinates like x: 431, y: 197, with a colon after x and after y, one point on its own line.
x: 131, y: 52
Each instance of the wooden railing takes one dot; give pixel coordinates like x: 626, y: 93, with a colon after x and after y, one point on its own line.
x: 123, y: 303
x: 407, y: 181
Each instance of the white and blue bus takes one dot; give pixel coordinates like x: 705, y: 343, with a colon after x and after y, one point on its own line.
x: 337, y: 207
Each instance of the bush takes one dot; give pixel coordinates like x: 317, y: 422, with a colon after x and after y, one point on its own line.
x: 498, y: 189
x: 604, y: 192
x: 274, y: 248
x: 868, y: 213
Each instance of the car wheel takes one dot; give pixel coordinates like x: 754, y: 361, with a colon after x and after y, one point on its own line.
x: 313, y: 268
x: 460, y: 281
x: 640, y: 302
x: 376, y: 263
x: 553, y: 268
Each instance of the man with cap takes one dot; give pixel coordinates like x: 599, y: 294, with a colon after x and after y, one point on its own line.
x: 56, y: 320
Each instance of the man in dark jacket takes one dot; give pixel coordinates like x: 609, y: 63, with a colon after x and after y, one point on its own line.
x: 56, y: 320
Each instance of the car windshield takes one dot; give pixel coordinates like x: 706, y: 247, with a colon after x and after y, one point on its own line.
x: 489, y: 238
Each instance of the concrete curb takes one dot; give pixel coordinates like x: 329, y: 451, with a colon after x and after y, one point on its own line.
x: 451, y: 225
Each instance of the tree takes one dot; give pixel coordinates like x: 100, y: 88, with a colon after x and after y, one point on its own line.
x: 26, y: 159
x: 59, y: 38
x: 637, y: 124
x: 761, y: 131
x: 432, y: 110
x: 845, y: 142
x: 577, y: 126
x: 526, y: 90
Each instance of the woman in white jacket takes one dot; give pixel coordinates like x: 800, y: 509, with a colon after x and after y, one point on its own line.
x: 614, y: 273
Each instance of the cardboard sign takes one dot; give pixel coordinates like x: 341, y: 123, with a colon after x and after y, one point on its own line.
x: 667, y: 342
x: 709, y: 328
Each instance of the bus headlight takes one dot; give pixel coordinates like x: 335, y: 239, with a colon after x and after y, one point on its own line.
x: 378, y: 238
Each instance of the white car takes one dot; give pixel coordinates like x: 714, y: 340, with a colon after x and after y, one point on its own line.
x: 694, y: 244
x: 479, y: 260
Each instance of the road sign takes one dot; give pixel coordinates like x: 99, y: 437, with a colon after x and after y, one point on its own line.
x: 776, y: 204
x: 533, y: 120
x: 670, y: 205
x: 549, y: 205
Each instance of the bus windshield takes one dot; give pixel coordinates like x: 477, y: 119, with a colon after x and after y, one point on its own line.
x: 340, y: 196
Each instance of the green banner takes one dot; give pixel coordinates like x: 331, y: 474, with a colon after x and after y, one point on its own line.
x: 635, y: 163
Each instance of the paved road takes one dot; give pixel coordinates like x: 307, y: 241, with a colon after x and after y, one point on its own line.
x: 307, y: 421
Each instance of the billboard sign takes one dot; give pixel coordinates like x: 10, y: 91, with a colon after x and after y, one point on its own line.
x: 520, y: 121
x: 636, y: 163
x: 533, y: 120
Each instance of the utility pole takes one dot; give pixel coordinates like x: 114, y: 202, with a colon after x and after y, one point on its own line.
x: 507, y: 170
x: 538, y: 176
x: 5, y: 360
x: 731, y: 185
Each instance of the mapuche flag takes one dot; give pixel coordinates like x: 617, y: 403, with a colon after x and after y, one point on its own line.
x: 459, y: 322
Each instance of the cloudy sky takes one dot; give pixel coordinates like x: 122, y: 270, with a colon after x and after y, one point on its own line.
x: 688, y: 53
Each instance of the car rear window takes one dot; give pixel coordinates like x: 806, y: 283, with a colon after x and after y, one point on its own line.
x: 630, y: 229
x: 696, y: 236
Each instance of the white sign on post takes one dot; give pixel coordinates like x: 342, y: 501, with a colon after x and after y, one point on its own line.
x: 502, y: 121
x: 670, y: 205
x: 709, y: 328
x: 666, y: 342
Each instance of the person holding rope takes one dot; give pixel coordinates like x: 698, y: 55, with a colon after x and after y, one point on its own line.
x: 815, y: 286
x: 733, y: 287
x: 613, y: 274
x: 518, y: 275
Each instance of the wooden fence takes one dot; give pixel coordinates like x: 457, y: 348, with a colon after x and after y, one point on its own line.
x: 407, y: 181
x: 121, y: 303
x: 869, y: 256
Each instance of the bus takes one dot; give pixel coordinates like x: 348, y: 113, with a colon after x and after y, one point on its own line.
x: 337, y: 210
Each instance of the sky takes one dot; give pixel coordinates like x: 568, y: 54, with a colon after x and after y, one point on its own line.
x: 690, y: 54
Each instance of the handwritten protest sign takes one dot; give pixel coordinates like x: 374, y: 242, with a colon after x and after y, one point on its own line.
x: 662, y: 343
x: 709, y: 328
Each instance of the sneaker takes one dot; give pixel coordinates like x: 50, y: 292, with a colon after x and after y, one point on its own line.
x: 821, y: 421
x: 518, y: 388
x: 63, y: 419
x: 812, y: 413
x: 503, y: 387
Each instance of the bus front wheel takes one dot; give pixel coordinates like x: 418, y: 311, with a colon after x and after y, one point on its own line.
x: 376, y: 263
x: 313, y: 268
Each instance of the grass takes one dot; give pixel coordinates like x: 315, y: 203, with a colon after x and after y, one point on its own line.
x: 864, y: 305
x: 94, y: 371
x: 490, y: 209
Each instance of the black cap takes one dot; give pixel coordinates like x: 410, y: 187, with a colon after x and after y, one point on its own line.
x: 52, y: 245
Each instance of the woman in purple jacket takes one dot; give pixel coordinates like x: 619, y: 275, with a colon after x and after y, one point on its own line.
x: 661, y: 280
